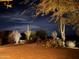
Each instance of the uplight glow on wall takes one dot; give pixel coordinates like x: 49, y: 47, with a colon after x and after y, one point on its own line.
x: 7, y: 3
x: 5, y: 0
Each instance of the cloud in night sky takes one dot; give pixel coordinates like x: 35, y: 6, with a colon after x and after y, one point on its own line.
x: 18, y: 17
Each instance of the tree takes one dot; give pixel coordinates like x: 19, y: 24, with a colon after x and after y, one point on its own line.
x: 58, y: 8
x: 77, y: 29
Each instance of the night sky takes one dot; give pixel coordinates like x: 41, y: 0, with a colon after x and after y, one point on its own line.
x: 21, y: 14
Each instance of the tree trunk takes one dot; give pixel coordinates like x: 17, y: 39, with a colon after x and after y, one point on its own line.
x: 62, y: 30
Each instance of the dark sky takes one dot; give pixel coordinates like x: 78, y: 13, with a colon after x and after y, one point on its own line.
x: 20, y: 15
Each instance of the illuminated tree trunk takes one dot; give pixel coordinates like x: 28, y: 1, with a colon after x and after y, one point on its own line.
x: 62, y: 30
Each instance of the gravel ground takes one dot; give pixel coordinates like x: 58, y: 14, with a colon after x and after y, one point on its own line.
x: 34, y: 51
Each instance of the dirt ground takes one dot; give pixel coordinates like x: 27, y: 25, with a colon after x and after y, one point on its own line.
x: 34, y: 51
